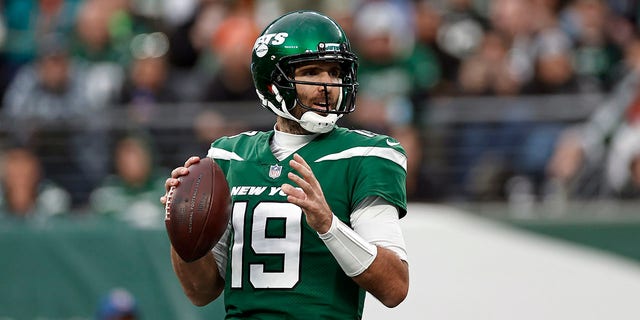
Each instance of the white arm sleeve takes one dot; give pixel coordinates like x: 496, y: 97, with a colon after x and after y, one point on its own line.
x: 220, y: 251
x: 378, y: 222
x: 353, y: 253
x: 375, y: 223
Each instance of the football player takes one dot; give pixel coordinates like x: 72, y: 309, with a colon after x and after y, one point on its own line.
x: 315, y: 207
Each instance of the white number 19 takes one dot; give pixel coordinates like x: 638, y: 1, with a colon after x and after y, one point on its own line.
x: 288, y: 246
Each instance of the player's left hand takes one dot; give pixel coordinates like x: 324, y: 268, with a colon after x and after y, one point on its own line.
x: 308, y: 196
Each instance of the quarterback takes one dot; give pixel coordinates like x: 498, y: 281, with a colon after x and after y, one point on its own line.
x: 315, y: 207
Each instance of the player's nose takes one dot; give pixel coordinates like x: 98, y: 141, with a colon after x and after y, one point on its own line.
x: 326, y: 77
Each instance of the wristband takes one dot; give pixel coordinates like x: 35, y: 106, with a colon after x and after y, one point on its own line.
x: 353, y: 253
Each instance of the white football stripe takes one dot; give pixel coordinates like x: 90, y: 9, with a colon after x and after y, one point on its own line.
x: 385, y: 153
x: 217, y: 153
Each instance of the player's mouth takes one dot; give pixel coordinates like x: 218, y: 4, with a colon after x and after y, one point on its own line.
x: 322, y: 107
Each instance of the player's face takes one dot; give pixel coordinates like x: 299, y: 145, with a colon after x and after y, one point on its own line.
x: 318, y: 97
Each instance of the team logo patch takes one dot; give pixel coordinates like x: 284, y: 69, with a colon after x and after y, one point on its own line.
x: 275, y: 171
x: 261, y: 50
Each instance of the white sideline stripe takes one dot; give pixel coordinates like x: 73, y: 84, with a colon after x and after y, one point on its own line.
x: 463, y: 266
x: 385, y: 153
x: 217, y: 153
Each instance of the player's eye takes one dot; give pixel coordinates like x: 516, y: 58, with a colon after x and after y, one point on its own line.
x: 310, y: 72
x: 306, y: 72
x: 335, y: 72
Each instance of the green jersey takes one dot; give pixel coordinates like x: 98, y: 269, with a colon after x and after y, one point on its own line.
x: 277, y: 266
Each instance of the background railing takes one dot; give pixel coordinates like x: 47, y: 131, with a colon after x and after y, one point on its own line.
x: 463, y: 139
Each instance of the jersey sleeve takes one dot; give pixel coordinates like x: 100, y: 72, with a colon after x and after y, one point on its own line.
x: 382, y: 172
x: 225, y: 149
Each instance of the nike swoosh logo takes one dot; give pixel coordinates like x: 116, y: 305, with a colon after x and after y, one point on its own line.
x: 392, y: 144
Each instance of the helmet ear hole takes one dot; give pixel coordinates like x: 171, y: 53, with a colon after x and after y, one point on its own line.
x: 278, y: 78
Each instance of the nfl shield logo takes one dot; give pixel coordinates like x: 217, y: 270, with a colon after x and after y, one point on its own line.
x: 275, y: 171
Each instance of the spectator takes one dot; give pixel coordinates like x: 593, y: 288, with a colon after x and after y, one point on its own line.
x: 24, y: 192
x: 50, y: 88
x: 581, y: 151
x: 482, y: 152
x: 488, y: 154
x: 148, y: 93
x: 622, y: 171
x: 392, y: 71
x: 190, y: 43
x: 596, y: 53
x: 147, y: 83
x: 94, y: 41
x: 48, y: 107
x: 131, y: 193
x: 455, y: 29
x: 553, y: 65
x: 232, y: 43
x: 487, y: 70
x: 102, y: 39
x: 26, y: 22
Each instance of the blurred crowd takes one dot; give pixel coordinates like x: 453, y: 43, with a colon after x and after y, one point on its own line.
x: 64, y: 63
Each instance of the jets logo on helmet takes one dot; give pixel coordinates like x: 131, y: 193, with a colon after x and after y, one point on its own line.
x: 283, y: 45
x: 261, y: 47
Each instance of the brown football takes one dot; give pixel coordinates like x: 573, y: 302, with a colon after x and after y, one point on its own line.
x: 198, y: 210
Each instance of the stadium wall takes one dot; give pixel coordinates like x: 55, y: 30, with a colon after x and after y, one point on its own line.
x: 463, y: 266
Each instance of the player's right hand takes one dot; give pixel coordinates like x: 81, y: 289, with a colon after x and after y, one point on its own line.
x: 176, y: 173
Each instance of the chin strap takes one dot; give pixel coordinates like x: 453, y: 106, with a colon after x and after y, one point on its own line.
x: 316, y: 123
x: 309, y: 121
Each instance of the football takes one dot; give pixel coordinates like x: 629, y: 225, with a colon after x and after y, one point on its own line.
x: 198, y: 210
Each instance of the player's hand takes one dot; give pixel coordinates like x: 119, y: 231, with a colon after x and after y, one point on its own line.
x: 175, y: 174
x: 308, y: 196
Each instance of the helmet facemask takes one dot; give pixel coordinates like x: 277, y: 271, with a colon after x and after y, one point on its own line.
x: 286, y: 83
x: 315, y: 119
